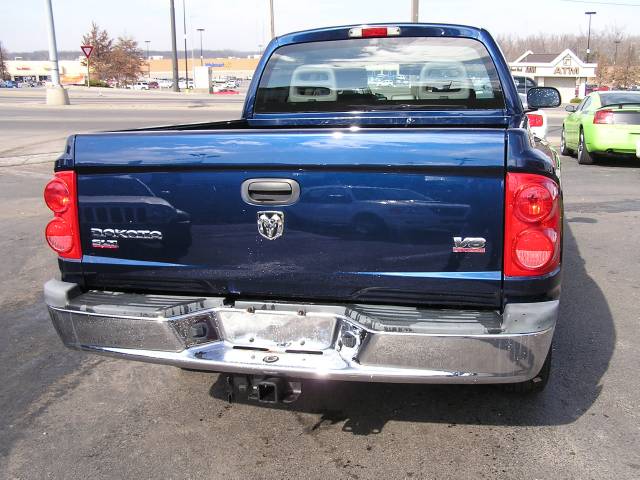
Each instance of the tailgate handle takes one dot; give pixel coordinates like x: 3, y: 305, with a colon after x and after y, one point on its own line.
x: 270, y: 191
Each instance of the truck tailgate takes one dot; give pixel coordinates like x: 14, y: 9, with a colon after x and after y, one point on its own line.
x: 382, y: 214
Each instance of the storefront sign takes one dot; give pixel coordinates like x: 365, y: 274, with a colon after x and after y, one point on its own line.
x: 574, y: 71
x: 528, y: 69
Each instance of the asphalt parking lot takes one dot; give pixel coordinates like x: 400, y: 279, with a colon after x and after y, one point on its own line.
x: 68, y: 415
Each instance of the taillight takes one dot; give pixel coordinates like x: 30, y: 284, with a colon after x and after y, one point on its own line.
x: 535, y: 120
x: 62, y: 233
x: 603, y: 117
x: 532, y: 225
x: 57, y: 196
x: 369, y: 32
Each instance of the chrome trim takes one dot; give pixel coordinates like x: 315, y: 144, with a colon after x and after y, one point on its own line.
x: 338, y: 342
x: 496, y: 359
x: 267, y: 185
x: 270, y: 224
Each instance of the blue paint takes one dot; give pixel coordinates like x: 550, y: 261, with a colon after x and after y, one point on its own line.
x: 375, y: 222
x: 370, y: 200
x: 450, y: 275
x: 92, y: 259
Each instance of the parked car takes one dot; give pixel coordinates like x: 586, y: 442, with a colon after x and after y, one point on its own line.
x: 165, y: 83
x: 524, y: 83
x: 183, y: 84
x: 538, y: 123
x: 382, y: 82
x: 605, y: 123
x: 364, y: 210
x: 593, y: 88
x: 302, y: 258
x: 225, y: 91
x: 154, y: 85
x: 140, y: 85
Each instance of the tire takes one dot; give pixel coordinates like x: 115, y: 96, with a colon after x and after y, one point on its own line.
x: 584, y: 157
x: 537, y: 383
x: 563, y: 145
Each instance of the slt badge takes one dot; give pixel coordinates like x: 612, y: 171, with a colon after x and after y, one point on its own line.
x: 271, y: 224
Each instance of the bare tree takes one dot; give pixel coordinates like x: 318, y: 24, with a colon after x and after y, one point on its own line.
x: 626, y: 72
x: 621, y: 69
x: 604, y: 71
x: 602, y: 44
x: 121, y: 60
x: 102, y: 49
x: 127, y: 61
x: 4, y: 72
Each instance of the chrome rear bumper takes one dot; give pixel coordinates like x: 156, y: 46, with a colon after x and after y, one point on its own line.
x: 369, y: 343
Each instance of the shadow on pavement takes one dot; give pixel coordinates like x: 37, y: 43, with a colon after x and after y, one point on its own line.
x: 34, y: 362
x: 606, y: 161
x: 583, y: 346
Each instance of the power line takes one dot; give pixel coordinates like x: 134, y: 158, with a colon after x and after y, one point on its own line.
x: 613, y: 4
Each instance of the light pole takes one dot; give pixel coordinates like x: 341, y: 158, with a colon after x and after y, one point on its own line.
x: 148, y: 60
x: 415, y: 11
x: 186, y: 60
x: 174, y: 48
x: 273, y: 30
x: 201, y: 57
x: 56, y: 95
x: 590, y: 14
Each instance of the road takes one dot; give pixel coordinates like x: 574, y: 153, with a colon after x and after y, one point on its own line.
x: 69, y: 415
x: 28, y: 126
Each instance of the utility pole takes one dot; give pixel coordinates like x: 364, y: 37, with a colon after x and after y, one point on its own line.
x: 174, y: 48
x: 415, y: 11
x: 615, y: 53
x: 186, y: 60
x: 56, y: 95
x: 201, y: 57
x: 590, y: 14
x: 148, y: 59
x: 273, y: 29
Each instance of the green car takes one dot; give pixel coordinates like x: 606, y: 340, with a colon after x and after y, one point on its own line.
x: 605, y: 123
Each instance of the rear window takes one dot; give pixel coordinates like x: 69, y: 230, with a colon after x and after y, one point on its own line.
x: 617, y: 98
x: 379, y: 74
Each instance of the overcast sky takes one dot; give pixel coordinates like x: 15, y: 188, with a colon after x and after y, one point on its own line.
x: 243, y: 24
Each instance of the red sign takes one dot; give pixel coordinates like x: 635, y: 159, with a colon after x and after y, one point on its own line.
x: 86, y: 49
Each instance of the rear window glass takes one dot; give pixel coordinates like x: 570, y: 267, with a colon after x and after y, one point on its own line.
x: 619, y: 98
x: 379, y: 74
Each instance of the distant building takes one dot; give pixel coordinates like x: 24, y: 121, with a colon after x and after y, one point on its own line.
x: 72, y: 72
x: 220, y: 67
x: 564, y: 71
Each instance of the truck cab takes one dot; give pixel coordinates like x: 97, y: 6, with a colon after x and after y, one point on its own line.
x: 381, y: 212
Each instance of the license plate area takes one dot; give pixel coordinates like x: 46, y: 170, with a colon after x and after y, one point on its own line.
x: 277, y: 330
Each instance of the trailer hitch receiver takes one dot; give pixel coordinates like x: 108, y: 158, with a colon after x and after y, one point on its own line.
x: 270, y: 390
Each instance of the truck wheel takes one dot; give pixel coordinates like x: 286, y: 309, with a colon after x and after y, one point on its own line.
x: 563, y: 145
x: 584, y: 157
x: 537, y: 383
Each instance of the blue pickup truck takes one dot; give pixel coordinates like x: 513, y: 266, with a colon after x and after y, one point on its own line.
x: 380, y: 213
